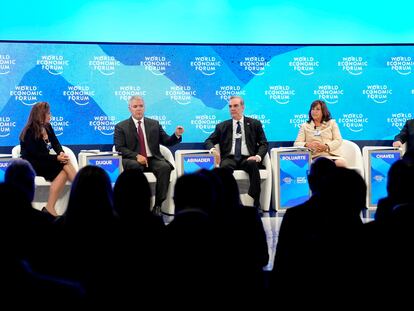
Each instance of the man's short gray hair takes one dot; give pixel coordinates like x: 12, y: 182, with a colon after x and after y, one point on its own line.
x: 135, y: 97
x: 239, y: 97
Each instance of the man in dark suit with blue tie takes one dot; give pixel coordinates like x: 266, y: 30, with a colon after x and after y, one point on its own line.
x: 242, y: 143
x: 138, y: 139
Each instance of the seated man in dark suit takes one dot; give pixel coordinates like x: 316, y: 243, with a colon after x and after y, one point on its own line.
x: 406, y: 135
x: 138, y: 139
x: 243, y: 145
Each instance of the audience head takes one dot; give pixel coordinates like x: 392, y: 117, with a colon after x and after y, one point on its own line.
x: 231, y: 198
x: 193, y: 191
x: 15, y: 221
x: 344, y: 192
x: 132, y: 194
x: 400, y: 176
x: 319, y: 170
x: 90, y: 198
x: 21, y: 175
x: 218, y: 189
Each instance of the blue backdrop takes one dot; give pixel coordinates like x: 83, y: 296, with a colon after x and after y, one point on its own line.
x: 369, y: 88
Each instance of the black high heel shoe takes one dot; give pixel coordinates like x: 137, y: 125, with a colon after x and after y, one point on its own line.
x: 44, y: 210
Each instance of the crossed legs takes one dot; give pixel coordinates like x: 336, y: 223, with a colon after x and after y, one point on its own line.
x: 67, y: 173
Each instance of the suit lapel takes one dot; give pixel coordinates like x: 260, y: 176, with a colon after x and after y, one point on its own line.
x: 247, y: 130
x: 147, y: 130
x: 133, y: 128
x: 229, y: 129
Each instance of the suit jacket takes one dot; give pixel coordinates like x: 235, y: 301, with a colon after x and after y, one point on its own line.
x: 253, y: 130
x: 328, y: 134
x: 126, y: 138
x: 406, y: 134
x: 35, y: 150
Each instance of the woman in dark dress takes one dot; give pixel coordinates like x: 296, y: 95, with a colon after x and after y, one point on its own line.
x: 40, y: 146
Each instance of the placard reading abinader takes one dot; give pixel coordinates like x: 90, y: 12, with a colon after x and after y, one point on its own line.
x: 293, y: 178
x: 194, y: 162
x: 379, y: 165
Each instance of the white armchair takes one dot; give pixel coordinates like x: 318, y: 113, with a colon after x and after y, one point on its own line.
x: 42, y: 185
x: 242, y: 179
x: 168, y: 205
x: 353, y: 156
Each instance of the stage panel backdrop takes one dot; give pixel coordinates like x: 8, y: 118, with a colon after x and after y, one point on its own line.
x: 369, y: 89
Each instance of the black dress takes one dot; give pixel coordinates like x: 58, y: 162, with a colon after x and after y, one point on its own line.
x: 36, y: 151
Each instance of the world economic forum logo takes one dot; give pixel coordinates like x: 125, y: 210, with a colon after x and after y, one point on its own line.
x: 28, y: 95
x: 280, y: 93
x: 54, y: 64
x: 398, y: 120
x: 298, y: 119
x: 206, y: 122
x: 256, y: 65
x: 354, y: 65
x: 305, y: 65
x: 59, y: 124
x: 7, y: 124
x: 79, y: 94
x: 182, y: 94
x: 126, y: 91
x: 378, y: 178
x: 353, y: 121
x: 226, y: 91
x: 162, y: 119
x: 103, y: 124
x: 401, y: 64
x: 106, y: 65
x: 207, y: 65
x: 157, y: 65
x: 329, y: 93
x: 6, y: 64
x: 261, y: 117
x: 378, y: 93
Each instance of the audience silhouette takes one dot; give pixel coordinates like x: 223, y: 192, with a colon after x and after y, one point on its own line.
x: 110, y: 249
x: 318, y: 249
x: 140, y: 239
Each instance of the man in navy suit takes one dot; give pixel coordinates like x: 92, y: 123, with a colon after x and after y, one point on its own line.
x: 138, y: 139
x: 242, y: 143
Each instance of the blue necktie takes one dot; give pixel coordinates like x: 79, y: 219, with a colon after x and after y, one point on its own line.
x: 237, y: 147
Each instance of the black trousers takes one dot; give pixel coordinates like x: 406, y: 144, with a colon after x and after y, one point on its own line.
x: 162, y: 171
x: 251, y: 168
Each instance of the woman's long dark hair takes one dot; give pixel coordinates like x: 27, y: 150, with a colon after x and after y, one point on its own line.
x: 326, y: 115
x: 36, y: 120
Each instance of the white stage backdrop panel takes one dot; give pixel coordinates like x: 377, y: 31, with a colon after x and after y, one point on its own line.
x: 369, y: 89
